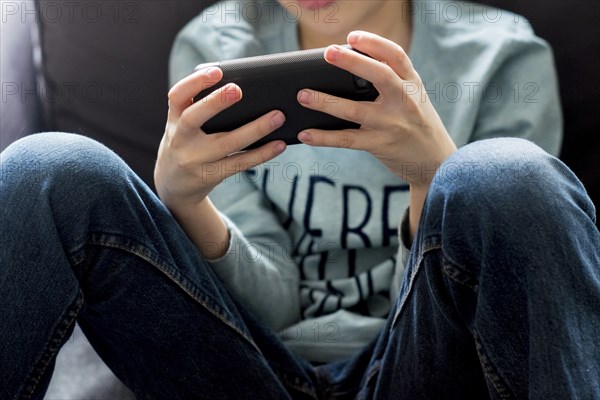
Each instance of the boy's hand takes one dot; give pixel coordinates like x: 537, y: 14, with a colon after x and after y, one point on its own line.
x: 401, y: 128
x: 191, y: 163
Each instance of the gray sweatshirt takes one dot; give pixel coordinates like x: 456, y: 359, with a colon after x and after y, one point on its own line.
x: 315, y: 249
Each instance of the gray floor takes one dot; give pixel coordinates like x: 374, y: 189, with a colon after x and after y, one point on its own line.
x: 81, y: 375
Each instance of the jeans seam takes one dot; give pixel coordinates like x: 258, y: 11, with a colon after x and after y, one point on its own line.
x: 54, y: 344
x: 372, y: 373
x: 426, y: 248
x: 490, y: 371
x: 304, y: 388
x: 458, y: 274
x: 170, y: 272
x: 361, y: 390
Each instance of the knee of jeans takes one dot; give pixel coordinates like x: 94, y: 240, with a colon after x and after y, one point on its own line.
x: 67, y: 162
x: 507, y: 178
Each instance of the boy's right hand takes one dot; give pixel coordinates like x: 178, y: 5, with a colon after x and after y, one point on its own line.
x: 191, y: 163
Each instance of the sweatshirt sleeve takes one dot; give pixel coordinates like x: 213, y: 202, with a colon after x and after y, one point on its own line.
x: 186, y: 52
x: 212, y: 37
x: 521, y: 98
x: 257, y: 267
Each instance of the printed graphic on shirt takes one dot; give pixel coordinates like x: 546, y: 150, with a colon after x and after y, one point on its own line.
x: 344, y: 234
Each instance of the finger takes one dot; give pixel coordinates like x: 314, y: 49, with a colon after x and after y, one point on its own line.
x: 182, y: 93
x: 227, y: 143
x: 354, y: 111
x: 384, y: 50
x: 383, y: 77
x: 193, y: 117
x: 345, y: 139
x: 249, y: 159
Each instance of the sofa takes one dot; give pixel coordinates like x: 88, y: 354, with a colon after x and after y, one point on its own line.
x: 99, y: 68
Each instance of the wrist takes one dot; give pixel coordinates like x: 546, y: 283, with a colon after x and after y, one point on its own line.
x: 417, y: 196
x: 204, y: 225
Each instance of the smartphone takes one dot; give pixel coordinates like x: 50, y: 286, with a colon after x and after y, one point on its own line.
x: 273, y: 81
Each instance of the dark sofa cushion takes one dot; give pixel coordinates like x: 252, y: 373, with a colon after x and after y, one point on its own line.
x: 105, y: 65
x: 571, y: 27
x: 19, y: 114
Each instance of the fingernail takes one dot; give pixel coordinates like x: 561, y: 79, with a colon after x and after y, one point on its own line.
x: 277, y: 120
x: 213, y: 73
x: 353, y: 37
x: 230, y: 93
x: 304, y: 97
x: 279, y: 148
x: 333, y: 52
x: 304, y: 137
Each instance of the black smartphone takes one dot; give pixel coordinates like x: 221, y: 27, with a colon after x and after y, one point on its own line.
x: 273, y: 81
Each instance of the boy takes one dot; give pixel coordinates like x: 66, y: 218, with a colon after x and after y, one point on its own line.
x: 496, y: 297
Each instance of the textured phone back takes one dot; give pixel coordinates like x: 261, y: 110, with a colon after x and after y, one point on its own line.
x: 273, y: 81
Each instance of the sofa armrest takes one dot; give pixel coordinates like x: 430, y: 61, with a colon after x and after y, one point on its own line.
x: 19, y: 106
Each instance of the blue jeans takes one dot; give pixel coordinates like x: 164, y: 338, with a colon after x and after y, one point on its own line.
x: 501, y: 296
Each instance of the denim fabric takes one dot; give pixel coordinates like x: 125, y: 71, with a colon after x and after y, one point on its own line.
x: 502, y: 296
x: 84, y: 239
x: 500, y: 299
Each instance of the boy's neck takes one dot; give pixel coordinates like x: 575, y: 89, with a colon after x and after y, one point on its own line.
x: 392, y: 21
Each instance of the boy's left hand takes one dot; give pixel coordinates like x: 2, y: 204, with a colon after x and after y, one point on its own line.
x: 401, y: 127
